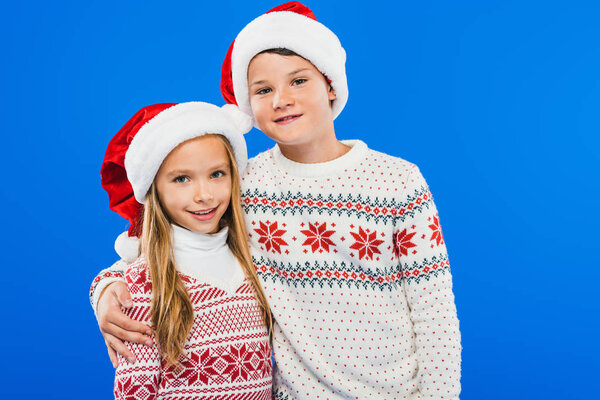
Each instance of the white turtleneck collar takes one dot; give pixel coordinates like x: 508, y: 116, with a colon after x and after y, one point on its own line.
x: 207, y: 258
x: 186, y: 241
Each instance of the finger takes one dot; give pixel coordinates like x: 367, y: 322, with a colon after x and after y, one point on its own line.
x: 125, y: 323
x: 112, y: 355
x: 120, y: 348
x: 130, y: 336
x: 123, y: 296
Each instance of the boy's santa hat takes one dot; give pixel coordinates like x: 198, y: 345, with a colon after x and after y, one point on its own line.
x: 137, y: 151
x: 292, y: 26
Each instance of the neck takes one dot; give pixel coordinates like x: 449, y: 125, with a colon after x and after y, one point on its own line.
x: 318, y: 151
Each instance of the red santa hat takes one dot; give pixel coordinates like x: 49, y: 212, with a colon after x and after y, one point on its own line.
x: 137, y: 151
x: 292, y: 26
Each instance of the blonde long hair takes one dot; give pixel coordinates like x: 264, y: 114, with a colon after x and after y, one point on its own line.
x: 172, y: 312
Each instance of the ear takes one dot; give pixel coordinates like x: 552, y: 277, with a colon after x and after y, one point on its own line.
x: 331, y: 93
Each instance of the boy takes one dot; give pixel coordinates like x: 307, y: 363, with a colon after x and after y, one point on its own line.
x: 346, y: 240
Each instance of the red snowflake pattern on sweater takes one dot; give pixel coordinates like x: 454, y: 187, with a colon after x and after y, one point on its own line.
x: 270, y: 236
x: 240, y: 362
x: 366, y: 243
x: 318, y: 237
x: 402, y: 242
x: 132, y: 389
x: 263, y: 352
x: 198, y: 368
x: 437, y: 230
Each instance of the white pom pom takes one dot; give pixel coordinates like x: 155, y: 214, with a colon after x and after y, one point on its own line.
x: 241, y: 120
x: 127, y: 247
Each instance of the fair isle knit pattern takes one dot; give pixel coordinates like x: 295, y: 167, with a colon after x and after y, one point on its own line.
x: 227, y: 353
x: 354, y: 265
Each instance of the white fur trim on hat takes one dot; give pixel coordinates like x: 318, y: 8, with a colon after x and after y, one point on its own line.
x: 241, y: 120
x: 304, y: 36
x: 173, y: 126
x: 127, y: 247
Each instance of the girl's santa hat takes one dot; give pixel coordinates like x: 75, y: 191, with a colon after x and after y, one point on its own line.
x: 292, y: 26
x: 137, y: 151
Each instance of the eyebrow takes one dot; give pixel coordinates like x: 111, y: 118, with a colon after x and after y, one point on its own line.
x: 258, y: 83
x: 298, y: 70
x: 179, y: 172
x: 262, y: 82
x: 224, y: 165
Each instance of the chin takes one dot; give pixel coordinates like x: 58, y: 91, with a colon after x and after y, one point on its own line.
x: 193, y: 226
x: 206, y: 230
x: 289, y: 138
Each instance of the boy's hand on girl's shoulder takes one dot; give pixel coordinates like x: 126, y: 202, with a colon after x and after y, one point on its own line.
x: 116, y: 327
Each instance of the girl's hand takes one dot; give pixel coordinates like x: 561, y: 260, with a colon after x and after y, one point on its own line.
x: 116, y: 326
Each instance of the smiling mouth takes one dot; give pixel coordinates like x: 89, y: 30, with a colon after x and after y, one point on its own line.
x: 288, y: 119
x: 203, y: 212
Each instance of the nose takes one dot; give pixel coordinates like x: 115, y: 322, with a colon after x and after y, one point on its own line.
x: 283, y: 98
x: 203, y: 193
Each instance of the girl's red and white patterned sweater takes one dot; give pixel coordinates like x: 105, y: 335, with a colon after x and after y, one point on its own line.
x: 354, y: 265
x: 227, y: 352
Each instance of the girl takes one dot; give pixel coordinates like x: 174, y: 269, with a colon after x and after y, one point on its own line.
x: 173, y: 172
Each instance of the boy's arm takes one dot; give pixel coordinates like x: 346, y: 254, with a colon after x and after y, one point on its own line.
x: 109, y: 295
x: 114, y: 273
x: 427, y: 282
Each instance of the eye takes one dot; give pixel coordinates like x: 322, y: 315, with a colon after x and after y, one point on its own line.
x: 181, y: 179
x: 299, y: 81
x: 263, y: 91
x: 217, y: 174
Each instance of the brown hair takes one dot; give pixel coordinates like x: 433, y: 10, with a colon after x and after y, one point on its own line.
x: 172, y: 313
x: 282, y: 51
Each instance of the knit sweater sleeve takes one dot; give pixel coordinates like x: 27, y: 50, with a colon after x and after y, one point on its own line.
x: 428, y: 286
x: 104, y: 278
x: 140, y: 380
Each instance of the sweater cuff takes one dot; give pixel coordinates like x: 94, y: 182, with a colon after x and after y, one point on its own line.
x: 113, y: 274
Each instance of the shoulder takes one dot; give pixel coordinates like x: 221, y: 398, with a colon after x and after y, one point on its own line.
x: 392, y: 172
x: 137, y: 277
x: 258, y: 169
x: 137, y: 268
x: 380, y: 161
x: 260, y: 159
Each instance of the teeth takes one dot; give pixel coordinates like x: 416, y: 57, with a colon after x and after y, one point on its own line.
x: 202, y: 212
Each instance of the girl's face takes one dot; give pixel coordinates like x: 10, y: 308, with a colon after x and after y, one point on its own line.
x: 290, y: 99
x: 194, y: 184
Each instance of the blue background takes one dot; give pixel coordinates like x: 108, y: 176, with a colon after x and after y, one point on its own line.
x: 497, y: 101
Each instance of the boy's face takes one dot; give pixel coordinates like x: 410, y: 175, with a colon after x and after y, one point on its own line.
x: 290, y: 99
